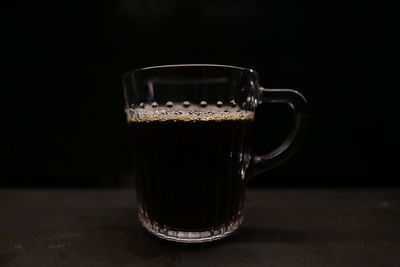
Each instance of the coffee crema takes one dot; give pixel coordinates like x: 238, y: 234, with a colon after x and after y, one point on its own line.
x: 150, y: 114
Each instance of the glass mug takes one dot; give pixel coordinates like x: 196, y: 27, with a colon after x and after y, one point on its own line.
x: 191, y: 127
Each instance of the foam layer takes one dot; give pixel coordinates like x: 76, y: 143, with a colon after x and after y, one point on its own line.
x: 188, y: 115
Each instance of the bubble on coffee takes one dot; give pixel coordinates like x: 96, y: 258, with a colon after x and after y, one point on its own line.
x: 182, y: 112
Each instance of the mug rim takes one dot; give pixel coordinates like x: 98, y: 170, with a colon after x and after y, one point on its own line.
x: 190, y: 65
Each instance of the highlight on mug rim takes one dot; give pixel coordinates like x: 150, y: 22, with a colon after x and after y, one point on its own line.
x: 190, y: 65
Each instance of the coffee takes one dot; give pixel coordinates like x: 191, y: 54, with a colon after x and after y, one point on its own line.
x: 190, y: 164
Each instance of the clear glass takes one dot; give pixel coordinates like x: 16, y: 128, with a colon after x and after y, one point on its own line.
x: 190, y: 129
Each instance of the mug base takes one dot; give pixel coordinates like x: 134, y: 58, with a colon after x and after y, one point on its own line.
x: 189, y: 236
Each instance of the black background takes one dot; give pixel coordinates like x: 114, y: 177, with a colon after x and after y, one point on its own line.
x: 62, y: 119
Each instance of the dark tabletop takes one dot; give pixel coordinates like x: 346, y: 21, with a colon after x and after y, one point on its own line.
x: 282, y: 227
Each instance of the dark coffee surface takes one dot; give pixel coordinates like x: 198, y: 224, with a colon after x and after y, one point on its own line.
x: 190, y: 165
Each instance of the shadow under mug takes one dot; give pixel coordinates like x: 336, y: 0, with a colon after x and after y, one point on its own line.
x: 190, y: 129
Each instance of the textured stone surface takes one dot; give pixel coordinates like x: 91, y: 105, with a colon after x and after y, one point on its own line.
x: 282, y: 227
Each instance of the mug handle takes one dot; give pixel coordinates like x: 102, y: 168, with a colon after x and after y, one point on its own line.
x: 298, y: 103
